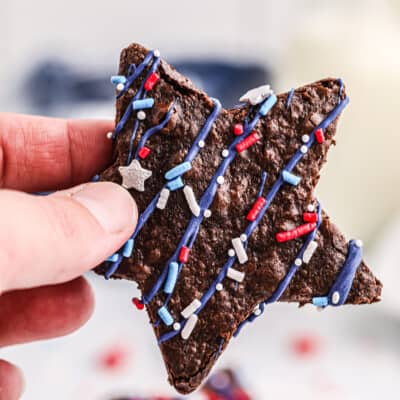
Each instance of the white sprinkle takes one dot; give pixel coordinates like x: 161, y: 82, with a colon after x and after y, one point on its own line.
x: 303, y: 149
x: 156, y: 53
x: 257, y: 311
x: 305, y: 138
x: 141, y: 115
x: 256, y: 95
x: 220, y: 180
x: 225, y: 153
x: 358, y: 243
x: 335, y: 297
x: 191, y: 308
x: 231, y: 252
x: 162, y: 200
x: 219, y: 287
x: 120, y: 87
x: 239, y: 250
x: 309, y: 251
x: 234, y: 274
x: 310, y: 208
x: 176, y: 326
x: 201, y: 143
x: 207, y: 213
x: 298, y: 262
x: 316, y: 118
x: 191, y: 200
x: 109, y: 135
x: 243, y: 237
x: 189, y: 326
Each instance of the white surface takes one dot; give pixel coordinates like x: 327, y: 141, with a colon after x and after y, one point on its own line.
x: 359, y: 356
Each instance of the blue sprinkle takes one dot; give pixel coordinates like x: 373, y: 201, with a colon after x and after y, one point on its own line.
x: 115, y: 79
x: 172, y: 277
x: 267, y: 105
x: 95, y: 178
x: 179, y: 170
x: 128, y: 248
x: 320, y: 301
x: 165, y: 315
x: 290, y: 178
x: 143, y: 103
x: 175, y: 184
x: 113, y: 258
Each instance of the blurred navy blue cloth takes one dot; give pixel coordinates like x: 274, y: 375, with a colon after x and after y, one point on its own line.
x: 53, y: 84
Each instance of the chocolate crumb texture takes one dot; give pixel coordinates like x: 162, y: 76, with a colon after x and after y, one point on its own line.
x: 278, y: 136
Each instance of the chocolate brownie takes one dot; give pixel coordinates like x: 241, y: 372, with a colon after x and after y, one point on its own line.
x: 229, y: 222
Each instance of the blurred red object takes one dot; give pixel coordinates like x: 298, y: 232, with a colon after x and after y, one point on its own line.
x: 113, y: 358
x: 305, y: 345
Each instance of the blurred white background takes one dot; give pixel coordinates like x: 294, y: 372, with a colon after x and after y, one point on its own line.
x: 299, y: 41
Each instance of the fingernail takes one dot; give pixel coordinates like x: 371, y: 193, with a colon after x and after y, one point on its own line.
x: 110, y: 204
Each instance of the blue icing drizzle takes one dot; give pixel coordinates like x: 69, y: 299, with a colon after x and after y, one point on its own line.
x: 138, y: 95
x: 289, y: 276
x: 113, y: 267
x: 208, y: 197
x: 192, y: 153
x: 345, y: 278
x: 150, y: 132
x: 134, y: 71
x: 343, y: 283
x: 289, y: 98
x: 250, y: 228
x: 262, y: 184
x: 132, y: 140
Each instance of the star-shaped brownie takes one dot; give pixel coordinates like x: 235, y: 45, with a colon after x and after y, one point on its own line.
x: 228, y: 219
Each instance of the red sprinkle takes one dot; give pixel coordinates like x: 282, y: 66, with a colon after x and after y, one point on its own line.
x: 255, y: 210
x: 151, y: 81
x: 184, y: 254
x: 249, y: 141
x: 144, y: 152
x: 296, y: 232
x: 310, y: 217
x: 137, y: 303
x: 319, y: 135
x: 238, y: 129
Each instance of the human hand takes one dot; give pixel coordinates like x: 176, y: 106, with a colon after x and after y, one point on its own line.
x: 48, y: 242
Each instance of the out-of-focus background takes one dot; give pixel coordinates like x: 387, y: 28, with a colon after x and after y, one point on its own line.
x: 56, y: 59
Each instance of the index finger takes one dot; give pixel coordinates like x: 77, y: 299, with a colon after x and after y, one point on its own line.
x: 38, y: 153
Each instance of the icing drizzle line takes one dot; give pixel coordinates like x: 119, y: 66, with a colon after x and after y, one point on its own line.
x: 206, y: 200
x: 244, y: 139
x: 268, y: 200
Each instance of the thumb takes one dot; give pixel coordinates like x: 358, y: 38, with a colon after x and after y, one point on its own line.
x: 53, y: 239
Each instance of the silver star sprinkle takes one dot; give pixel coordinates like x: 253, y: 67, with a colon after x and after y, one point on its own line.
x: 134, y: 176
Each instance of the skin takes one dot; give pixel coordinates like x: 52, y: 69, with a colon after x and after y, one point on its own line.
x: 48, y: 242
